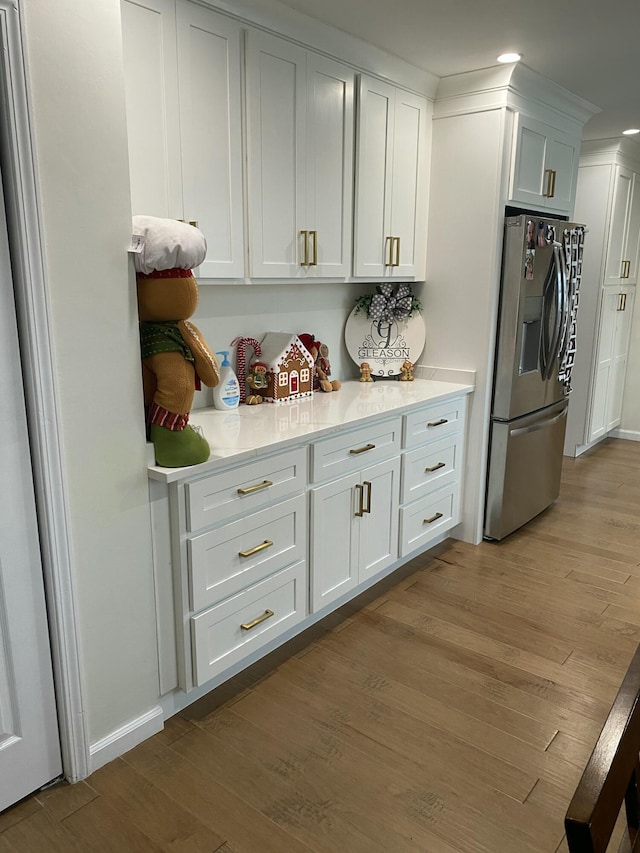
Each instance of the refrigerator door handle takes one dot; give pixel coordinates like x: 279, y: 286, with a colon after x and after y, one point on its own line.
x: 553, y: 296
x: 541, y: 425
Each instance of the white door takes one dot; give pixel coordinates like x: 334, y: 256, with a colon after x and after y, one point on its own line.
x: 29, y: 740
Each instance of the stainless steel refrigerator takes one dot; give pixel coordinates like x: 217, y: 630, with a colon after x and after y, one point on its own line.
x: 535, y: 351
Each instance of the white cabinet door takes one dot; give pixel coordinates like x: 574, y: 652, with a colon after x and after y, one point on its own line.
x: 616, y: 316
x: 275, y: 145
x: 624, y: 229
x: 391, y: 187
x: 545, y: 165
x: 328, y: 168
x: 334, y: 540
x: 300, y: 160
x: 210, y: 124
x: 619, y: 356
x: 151, y: 90
x: 378, y: 527
x: 182, y: 86
x: 606, y: 336
x: 616, y: 243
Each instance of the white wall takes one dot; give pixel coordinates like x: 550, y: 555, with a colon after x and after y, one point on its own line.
x: 78, y: 119
x: 227, y: 311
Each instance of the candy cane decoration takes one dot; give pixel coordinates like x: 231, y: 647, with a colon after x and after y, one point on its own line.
x: 241, y: 362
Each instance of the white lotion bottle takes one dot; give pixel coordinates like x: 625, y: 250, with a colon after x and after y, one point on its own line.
x: 226, y: 394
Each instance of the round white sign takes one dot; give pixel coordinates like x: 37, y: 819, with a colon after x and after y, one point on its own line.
x: 384, y: 345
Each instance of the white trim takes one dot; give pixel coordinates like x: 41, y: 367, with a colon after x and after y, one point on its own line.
x: 629, y: 434
x: 125, y: 737
x: 27, y: 257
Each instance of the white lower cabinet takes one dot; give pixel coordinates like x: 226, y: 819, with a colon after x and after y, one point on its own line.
x: 354, y: 530
x: 616, y: 315
x: 256, y: 551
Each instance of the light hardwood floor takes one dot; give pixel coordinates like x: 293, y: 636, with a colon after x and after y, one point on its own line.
x: 450, y: 711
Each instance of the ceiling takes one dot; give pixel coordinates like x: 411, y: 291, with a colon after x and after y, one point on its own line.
x: 590, y: 47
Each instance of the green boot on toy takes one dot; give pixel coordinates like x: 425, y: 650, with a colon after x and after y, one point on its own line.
x: 177, y: 448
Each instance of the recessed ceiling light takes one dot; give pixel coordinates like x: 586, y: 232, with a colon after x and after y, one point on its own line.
x: 631, y: 132
x: 510, y: 57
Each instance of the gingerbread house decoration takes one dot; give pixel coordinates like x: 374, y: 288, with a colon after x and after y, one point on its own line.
x: 289, y: 367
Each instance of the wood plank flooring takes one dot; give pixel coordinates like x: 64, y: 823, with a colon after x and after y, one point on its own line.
x: 450, y: 710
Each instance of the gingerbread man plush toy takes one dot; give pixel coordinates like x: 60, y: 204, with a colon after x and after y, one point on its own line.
x: 175, y: 357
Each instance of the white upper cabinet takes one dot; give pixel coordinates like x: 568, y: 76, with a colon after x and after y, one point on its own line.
x: 624, y: 230
x: 544, y: 166
x: 300, y: 160
x: 391, y: 182
x: 151, y: 88
x: 182, y: 79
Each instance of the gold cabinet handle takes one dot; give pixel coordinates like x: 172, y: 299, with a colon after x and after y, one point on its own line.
x: 438, y: 423
x: 266, y: 544
x: 360, y: 490
x: 305, y: 261
x: 626, y: 269
x: 433, y: 518
x: 553, y: 183
x: 249, y: 490
x: 193, y: 222
x: 396, y: 241
x: 390, y: 245
x: 247, y: 626
x: 367, y: 485
x: 434, y: 468
x: 549, y: 178
x: 624, y: 302
x: 314, y: 257
x: 356, y: 450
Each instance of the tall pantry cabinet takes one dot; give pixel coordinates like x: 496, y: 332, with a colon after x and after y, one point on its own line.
x: 608, y: 201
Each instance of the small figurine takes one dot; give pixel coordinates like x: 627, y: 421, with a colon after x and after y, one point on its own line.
x: 257, y: 381
x: 406, y: 372
x: 365, y: 372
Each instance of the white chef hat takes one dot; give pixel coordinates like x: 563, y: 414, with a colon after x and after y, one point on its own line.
x: 168, y: 244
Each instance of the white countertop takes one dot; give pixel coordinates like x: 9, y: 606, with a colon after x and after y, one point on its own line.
x: 247, y: 431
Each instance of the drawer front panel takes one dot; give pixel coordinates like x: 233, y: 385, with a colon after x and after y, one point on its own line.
x: 430, y: 467
x: 227, y: 559
x: 422, y: 521
x: 434, y: 422
x: 245, y: 488
x: 266, y: 610
x: 348, y: 452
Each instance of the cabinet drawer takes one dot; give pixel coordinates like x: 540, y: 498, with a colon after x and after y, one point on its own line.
x: 425, y: 519
x: 433, y: 422
x: 245, y: 488
x: 350, y: 451
x: 227, y: 559
x: 430, y: 467
x: 266, y: 610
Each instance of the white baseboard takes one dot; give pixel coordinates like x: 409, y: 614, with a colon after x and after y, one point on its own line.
x: 126, y: 737
x: 630, y: 434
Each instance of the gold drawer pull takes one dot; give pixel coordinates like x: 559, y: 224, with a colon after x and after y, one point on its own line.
x: 435, y: 467
x: 433, y: 518
x: 438, y: 423
x: 247, y: 626
x: 362, y: 449
x: 266, y: 544
x: 251, y: 489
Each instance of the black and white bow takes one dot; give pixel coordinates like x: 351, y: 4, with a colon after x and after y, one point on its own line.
x: 391, y: 302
